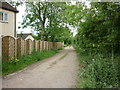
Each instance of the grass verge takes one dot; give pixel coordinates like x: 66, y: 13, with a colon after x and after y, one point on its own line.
x: 98, y: 71
x: 26, y: 60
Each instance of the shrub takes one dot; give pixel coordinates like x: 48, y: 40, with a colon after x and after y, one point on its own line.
x: 97, y: 71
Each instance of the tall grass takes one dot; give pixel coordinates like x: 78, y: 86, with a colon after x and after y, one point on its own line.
x: 98, y: 71
x: 18, y: 64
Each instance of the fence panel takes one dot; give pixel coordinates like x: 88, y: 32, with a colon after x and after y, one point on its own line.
x: 35, y: 45
x: 54, y: 45
x: 57, y: 45
x: 51, y: 45
x: 25, y: 50
x: 20, y: 47
x: 43, y: 44
x: 40, y: 45
x: 48, y: 45
x: 32, y: 46
x: 8, y: 48
x: 28, y: 46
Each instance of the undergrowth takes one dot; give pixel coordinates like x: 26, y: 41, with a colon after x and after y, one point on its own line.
x: 98, y: 71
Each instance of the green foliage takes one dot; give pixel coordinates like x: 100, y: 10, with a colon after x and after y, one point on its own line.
x: 48, y: 20
x: 18, y: 64
x: 98, y: 43
x: 15, y: 4
x: 100, y: 29
x: 98, y: 71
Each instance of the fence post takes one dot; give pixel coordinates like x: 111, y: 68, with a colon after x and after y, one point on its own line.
x: 8, y: 48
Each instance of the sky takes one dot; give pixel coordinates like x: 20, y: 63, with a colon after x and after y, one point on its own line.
x: 19, y: 20
x: 21, y: 13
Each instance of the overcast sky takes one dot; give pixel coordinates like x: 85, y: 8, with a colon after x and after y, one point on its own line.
x: 19, y: 20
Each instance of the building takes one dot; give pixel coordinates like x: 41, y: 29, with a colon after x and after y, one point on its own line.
x: 25, y: 36
x: 7, y: 21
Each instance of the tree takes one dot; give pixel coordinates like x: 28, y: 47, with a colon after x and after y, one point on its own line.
x: 15, y: 4
x: 98, y: 27
x: 47, y: 19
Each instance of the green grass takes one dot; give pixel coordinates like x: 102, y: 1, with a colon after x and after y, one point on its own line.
x: 98, y: 71
x: 26, y: 60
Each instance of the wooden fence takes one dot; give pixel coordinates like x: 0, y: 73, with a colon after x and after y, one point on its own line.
x: 14, y: 48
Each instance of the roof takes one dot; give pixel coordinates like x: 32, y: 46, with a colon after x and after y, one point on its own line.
x: 5, y: 5
x: 23, y: 35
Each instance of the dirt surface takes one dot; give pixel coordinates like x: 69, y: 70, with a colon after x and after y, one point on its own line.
x: 59, y: 71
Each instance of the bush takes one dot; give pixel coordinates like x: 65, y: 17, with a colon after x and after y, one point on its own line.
x: 97, y: 71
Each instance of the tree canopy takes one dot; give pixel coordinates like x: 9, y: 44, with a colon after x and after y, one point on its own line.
x: 47, y: 19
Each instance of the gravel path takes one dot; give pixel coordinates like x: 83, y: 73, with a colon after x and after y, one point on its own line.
x: 59, y: 71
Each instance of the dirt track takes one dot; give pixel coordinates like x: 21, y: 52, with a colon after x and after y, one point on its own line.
x: 59, y: 71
